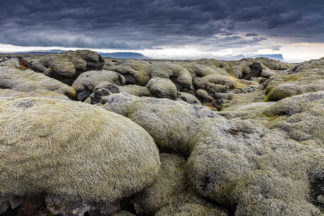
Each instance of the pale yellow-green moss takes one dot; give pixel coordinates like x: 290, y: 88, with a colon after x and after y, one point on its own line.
x: 72, y: 150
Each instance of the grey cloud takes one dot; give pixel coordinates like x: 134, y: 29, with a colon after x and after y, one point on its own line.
x: 138, y: 24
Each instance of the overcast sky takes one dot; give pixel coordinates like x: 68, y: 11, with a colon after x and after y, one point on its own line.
x: 167, y: 28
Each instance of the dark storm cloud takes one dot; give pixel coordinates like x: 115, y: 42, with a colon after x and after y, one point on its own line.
x: 138, y: 24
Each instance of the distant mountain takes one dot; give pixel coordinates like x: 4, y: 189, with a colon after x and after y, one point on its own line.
x: 271, y: 56
x: 43, y: 52
x: 120, y: 55
x: 238, y: 57
x: 124, y: 55
x: 134, y: 55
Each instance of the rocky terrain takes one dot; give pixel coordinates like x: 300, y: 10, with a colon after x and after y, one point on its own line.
x: 85, y: 135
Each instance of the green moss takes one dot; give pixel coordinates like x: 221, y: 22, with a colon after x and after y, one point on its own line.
x: 292, y: 78
x: 277, y: 94
x: 237, y: 84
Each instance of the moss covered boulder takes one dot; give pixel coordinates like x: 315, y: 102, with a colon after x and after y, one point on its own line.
x: 73, y: 151
x: 135, y: 72
x: 171, y: 123
x: 66, y: 66
x: 259, y: 166
x: 90, y: 79
x: 29, y: 81
x: 178, y: 74
x: 303, y: 78
x: 162, y: 88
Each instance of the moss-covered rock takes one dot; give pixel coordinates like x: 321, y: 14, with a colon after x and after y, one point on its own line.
x: 162, y: 88
x: 37, y: 93
x: 302, y: 117
x: 73, y: 151
x: 136, y: 90
x: 191, y: 209
x: 303, y: 78
x: 214, y: 83
x: 169, y: 183
x: 90, y: 79
x: 135, y: 72
x: 179, y: 75
x: 187, y: 97
x: 259, y: 170
x: 29, y: 81
x: 68, y: 65
x: 170, y: 123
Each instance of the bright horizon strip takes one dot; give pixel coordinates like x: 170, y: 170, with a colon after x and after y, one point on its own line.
x: 294, y: 52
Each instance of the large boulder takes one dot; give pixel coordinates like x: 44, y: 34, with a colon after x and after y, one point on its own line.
x: 179, y: 75
x: 255, y: 71
x: 68, y: 65
x: 73, y: 151
x: 90, y: 79
x: 29, y: 81
x: 171, y: 123
x: 135, y: 71
x: 300, y: 116
x: 266, y: 166
x: 162, y: 88
x: 215, y: 83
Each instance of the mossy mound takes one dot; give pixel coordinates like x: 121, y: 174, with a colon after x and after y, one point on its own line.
x: 135, y: 72
x: 170, y: 123
x: 29, y: 81
x: 303, y: 78
x: 259, y: 170
x: 162, y: 88
x: 90, y: 79
x: 72, y: 150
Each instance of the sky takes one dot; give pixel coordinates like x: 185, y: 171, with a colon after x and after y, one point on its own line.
x: 173, y: 29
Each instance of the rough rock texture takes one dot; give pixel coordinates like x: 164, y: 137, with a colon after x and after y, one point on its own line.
x: 72, y: 150
x: 170, y: 183
x: 190, y: 209
x: 135, y: 90
x: 28, y: 81
x: 255, y: 71
x: 268, y: 166
x: 187, y: 97
x: 135, y: 72
x: 246, y: 166
x: 162, y: 88
x: 170, y: 123
x: 179, y: 75
x: 303, y: 78
x: 259, y: 152
x: 68, y: 65
x: 102, y: 90
x: 36, y: 93
x: 90, y: 79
